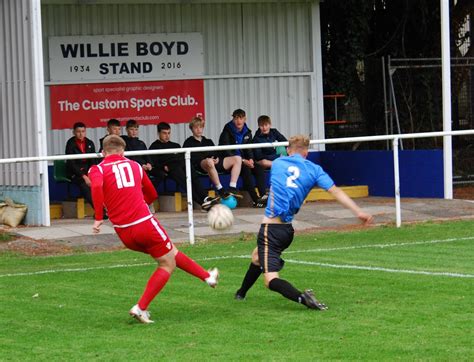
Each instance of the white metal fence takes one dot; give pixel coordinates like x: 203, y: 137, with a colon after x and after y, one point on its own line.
x: 187, y: 155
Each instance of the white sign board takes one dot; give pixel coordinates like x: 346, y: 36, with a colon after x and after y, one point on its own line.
x: 135, y: 56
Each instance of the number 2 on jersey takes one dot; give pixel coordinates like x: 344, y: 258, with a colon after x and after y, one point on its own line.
x: 295, y: 173
x: 123, y: 180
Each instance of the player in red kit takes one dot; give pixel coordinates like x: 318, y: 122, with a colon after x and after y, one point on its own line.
x: 125, y: 190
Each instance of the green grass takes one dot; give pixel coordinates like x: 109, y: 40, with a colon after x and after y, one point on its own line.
x: 373, y: 315
x: 4, y: 236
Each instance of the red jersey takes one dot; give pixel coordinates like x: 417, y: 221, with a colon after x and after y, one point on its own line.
x: 121, y: 186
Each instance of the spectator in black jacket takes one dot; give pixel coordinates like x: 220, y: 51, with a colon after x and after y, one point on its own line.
x: 237, y: 132
x: 113, y: 127
x: 173, y: 165
x: 210, y: 163
x: 77, y: 169
x: 133, y: 143
x: 266, y: 134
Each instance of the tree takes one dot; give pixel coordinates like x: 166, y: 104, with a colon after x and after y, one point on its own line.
x: 356, y: 32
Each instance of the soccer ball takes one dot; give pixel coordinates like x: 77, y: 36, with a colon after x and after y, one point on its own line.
x: 220, y: 217
x: 230, y: 202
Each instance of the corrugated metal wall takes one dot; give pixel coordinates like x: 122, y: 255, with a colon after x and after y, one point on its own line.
x: 18, y: 127
x: 238, y: 39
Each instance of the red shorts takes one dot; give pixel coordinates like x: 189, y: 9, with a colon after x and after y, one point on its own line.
x: 149, y: 237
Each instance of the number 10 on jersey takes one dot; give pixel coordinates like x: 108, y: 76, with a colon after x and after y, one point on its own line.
x: 123, y: 175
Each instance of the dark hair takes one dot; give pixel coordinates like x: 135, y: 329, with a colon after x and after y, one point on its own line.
x: 163, y: 126
x: 238, y: 113
x: 78, y: 125
x: 113, y: 122
x: 131, y: 123
x: 264, y: 120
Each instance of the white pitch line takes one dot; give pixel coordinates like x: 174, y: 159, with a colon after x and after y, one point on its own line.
x: 381, y: 246
x: 375, y: 268
x: 367, y: 246
x: 71, y: 270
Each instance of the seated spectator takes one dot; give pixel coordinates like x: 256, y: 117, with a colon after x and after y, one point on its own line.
x: 237, y: 132
x: 266, y: 134
x: 209, y: 163
x: 133, y: 143
x: 113, y: 127
x: 173, y: 165
x: 77, y: 169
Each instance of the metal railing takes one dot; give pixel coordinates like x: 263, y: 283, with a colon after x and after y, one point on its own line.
x: 187, y: 155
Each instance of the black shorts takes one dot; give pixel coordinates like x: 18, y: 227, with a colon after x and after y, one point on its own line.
x: 219, y: 167
x: 272, y: 240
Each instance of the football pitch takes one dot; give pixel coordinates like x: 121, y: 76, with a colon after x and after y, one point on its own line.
x: 392, y: 294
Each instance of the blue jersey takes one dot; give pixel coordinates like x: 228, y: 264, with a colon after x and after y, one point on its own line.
x: 291, y: 180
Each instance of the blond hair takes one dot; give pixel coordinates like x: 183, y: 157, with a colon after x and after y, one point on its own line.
x: 113, y: 144
x: 298, y: 143
x: 196, y: 121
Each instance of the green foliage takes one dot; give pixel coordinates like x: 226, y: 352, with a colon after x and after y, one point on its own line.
x: 357, y: 33
x: 4, y: 236
x: 246, y: 236
x: 345, y: 27
x: 79, y: 312
x: 356, y: 29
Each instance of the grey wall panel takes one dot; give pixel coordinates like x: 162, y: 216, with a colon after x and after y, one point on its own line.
x: 276, y: 38
x: 271, y: 96
x: 239, y: 38
x: 18, y: 121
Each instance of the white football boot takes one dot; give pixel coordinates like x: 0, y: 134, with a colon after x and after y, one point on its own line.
x: 142, y: 316
x: 213, y: 277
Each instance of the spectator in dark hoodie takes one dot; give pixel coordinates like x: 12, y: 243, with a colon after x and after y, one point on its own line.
x: 266, y: 134
x: 133, y: 143
x: 210, y: 163
x: 77, y: 169
x: 237, y: 132
x: 172, y: 165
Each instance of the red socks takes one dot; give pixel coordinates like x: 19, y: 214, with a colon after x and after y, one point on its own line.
x: 187, y: 264
x: 160, y: 277
x: 156, y: 282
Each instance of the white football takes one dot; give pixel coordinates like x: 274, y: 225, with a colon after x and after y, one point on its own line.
x: 220, y: 217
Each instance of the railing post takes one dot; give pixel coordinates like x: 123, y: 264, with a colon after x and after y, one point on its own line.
x: 189, y: 192
x: 446, y: 96
x: 396, y: 172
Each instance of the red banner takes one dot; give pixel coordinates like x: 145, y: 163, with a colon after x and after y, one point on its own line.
x: 146, y: 102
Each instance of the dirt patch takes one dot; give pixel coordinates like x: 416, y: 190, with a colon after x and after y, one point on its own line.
x: 13, y: 243
x: 32, y: 247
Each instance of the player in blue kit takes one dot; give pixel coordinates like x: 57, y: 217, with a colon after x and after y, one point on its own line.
x: 291, y: 179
